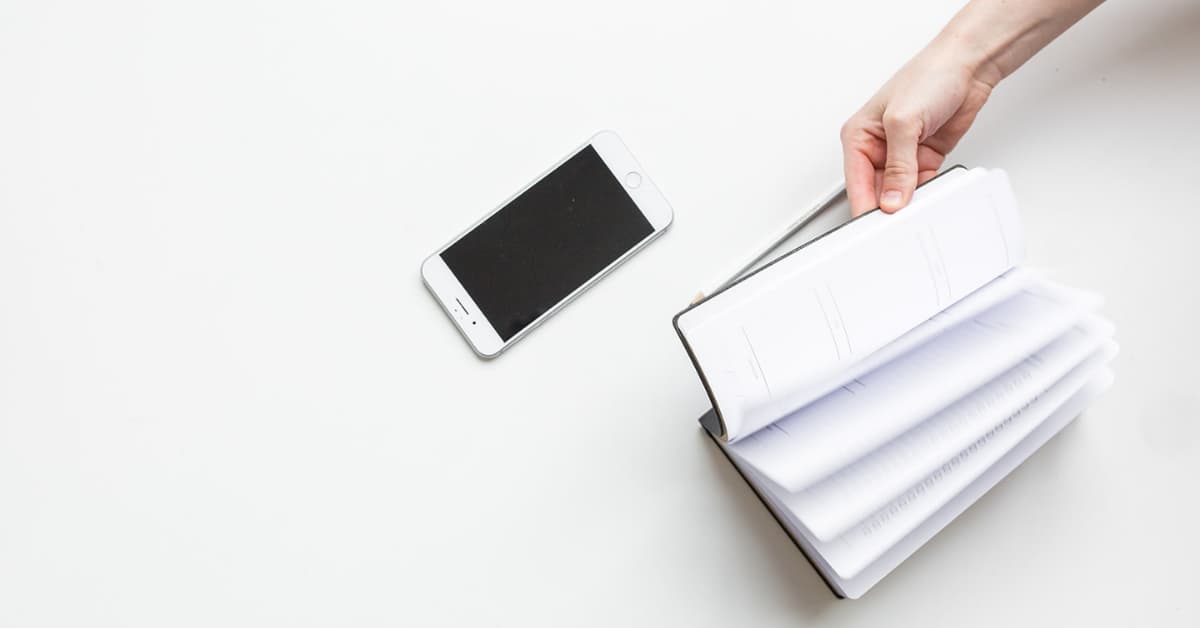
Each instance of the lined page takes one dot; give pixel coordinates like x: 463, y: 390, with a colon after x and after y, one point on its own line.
x: 866, y: 542
x: 766, y: 342
x: 834, y: 505
x: 898, y: 553
x: 991, y: 294
x: 860, y: 583
x: 842, y: 427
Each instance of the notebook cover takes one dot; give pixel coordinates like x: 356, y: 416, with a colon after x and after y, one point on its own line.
x: 713, y: 421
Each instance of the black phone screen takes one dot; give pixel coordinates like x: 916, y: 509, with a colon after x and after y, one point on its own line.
x: 547, y: 242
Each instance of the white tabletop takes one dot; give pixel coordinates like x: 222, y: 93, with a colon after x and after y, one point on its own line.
x: 226, y: 398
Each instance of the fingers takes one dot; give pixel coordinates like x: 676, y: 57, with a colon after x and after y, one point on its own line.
x: 860, y: 182
x: 929, y: 158
x: 928, y: 163
x: 900, y: 172
x: 861, y: 151
x: 874, y: 164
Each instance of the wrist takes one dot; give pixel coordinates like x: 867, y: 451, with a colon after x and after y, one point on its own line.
x: 971, y: 50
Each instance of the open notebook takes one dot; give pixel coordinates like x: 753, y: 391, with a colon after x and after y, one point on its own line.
x: 875, y: 382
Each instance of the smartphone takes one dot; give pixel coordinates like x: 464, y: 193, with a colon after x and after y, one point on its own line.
x: 549, y: 242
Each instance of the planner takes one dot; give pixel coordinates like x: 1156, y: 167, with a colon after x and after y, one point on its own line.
x: 872, y: 384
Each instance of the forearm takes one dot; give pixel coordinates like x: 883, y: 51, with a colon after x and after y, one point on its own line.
x: 995, y: 37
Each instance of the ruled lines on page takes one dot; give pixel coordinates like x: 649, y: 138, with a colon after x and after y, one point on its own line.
x: 845, y: 425
x: 834, y: 505
x: 836, y: 302
x: 896, y: 554
x: 992, y: 293
x: 867, y: 541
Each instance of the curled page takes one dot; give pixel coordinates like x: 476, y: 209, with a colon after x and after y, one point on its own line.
x: 770, y: 343
x: 834, y: 505
x: 853, y: 551
x: 838, y: 429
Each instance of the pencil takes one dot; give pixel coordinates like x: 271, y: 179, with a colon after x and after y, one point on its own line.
x: 757, y: 254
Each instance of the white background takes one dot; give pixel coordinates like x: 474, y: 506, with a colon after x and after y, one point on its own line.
x: 226, y: 398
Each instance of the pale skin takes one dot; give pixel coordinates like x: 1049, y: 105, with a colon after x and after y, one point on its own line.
x: 901, y: 137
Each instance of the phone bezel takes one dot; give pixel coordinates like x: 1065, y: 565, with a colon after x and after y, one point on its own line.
x: 460, y: 306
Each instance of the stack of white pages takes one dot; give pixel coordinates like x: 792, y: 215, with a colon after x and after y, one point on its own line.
x: 874, y: 383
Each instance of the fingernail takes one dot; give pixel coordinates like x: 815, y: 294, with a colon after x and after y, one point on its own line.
x: 890, y: 199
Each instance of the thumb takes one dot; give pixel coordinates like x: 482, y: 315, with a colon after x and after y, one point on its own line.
x: 900, y: 172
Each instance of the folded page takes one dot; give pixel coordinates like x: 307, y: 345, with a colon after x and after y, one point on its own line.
x: 832, y: 506
x: 866, y: 542
x: 991, y: 294
x: 762, y: 344
x: 858, y: 585
x: 838, y: 429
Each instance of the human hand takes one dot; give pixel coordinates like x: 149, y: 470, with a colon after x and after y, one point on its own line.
x: 900, y: 138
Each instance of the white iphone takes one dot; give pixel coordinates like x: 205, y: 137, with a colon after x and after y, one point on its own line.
x: 552, y: 240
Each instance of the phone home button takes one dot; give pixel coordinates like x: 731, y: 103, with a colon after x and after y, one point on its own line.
x: 633, y: 180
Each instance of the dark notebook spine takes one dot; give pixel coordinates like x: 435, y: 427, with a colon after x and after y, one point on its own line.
x: 774, y: 516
